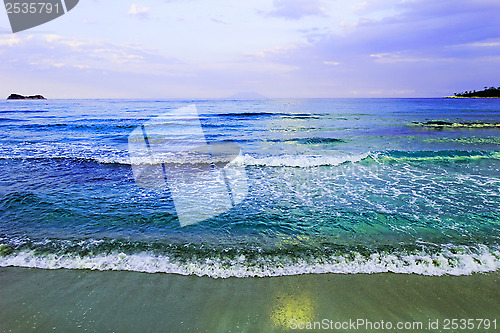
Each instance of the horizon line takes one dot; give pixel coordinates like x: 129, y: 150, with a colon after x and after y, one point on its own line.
x: 221, y: 98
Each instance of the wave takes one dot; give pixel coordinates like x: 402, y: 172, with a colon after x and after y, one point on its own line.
x: 117, y: 157
x: 301, y: 116
x: 300, y: 161
x: 76, y: 126
x: 246, y: 114
x: 493, y: 140
x: 429, y: 156
x: 313, y: 141
x: 377, y: 157
x: 266, y: 114
x: 22, y: 111
x: 441, y: 124
x: 7, y: 120
x: 448, y: 260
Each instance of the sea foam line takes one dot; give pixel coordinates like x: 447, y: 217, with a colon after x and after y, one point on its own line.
x: 109, y: 156
x: 443, y: 263
x: 302, y: 161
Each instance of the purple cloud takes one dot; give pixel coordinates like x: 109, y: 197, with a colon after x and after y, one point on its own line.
x: 296, y: 9
x: 429, y: 48
x: 139, y: 11
x: 425, y: 49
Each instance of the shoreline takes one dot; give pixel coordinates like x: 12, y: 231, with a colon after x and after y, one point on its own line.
x: 76, y: 300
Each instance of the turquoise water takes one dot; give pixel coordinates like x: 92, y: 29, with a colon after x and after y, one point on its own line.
x: 341, y: 185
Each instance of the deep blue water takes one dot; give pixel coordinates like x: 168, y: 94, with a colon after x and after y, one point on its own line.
x: 341, y: 185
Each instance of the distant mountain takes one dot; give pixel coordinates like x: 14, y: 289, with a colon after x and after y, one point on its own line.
x: 247, y: 96
x: 490, y: 92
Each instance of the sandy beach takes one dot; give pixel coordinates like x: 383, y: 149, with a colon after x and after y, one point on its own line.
x: 92, y: 301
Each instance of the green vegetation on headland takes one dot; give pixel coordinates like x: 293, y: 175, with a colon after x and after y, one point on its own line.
x: 490, y: 92
x: 16, y: 96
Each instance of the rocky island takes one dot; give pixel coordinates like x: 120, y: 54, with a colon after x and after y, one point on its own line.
x: 490, y: 92
x: 16, y: 96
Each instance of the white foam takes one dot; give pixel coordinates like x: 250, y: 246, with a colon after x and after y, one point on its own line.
x: 302, y: 161
x: 101, y: 154
x: 112, y: 155
x: 447, y: 262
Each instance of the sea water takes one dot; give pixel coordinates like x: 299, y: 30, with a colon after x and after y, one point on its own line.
x: 334, y: 186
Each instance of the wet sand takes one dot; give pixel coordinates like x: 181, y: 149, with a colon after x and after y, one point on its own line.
x: 35, y: 300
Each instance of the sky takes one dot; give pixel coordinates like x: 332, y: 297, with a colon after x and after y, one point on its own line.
x: 276, y: 48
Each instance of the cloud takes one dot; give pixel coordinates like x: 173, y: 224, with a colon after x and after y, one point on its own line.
x: 65, y: 67
x: 10, y: 41
x: 407, y: 49
x: 34, y: 52
x: 139, y: 11
x: 421, y: 29
x: 296, y: 9
x: 372, y: 6
x: 216, y: 20
x: 426, y: 46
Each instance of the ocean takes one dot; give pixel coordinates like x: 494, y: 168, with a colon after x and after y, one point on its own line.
x: 332, y: 186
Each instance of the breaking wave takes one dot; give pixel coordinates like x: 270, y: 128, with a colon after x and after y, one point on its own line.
x: 188, y: 260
